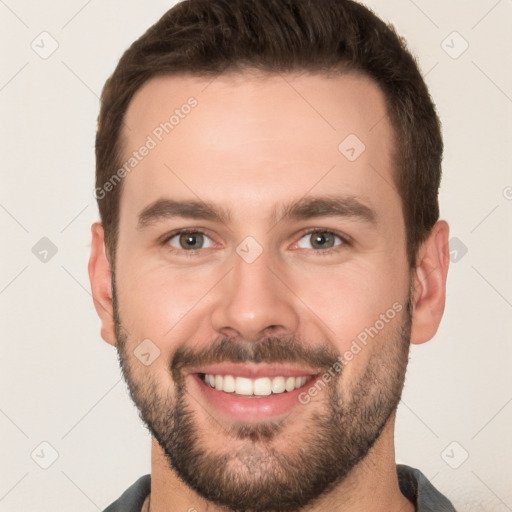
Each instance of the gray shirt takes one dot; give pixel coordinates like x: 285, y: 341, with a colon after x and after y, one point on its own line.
x: 414, y: 485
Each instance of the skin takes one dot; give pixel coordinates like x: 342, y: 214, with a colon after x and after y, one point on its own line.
x: 283, y: 147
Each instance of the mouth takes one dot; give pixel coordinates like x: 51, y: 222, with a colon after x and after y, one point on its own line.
x: 250, y: 393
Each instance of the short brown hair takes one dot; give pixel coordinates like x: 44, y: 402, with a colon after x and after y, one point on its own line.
x: 209, y: 37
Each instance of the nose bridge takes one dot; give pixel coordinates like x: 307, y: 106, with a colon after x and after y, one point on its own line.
x: 253, y: 299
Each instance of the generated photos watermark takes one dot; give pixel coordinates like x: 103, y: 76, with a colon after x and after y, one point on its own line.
x: 356, y: 346
x: 152, y: 140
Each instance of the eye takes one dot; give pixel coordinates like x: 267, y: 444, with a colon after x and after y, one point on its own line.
x: 320, y: 240
x: 188, y: 240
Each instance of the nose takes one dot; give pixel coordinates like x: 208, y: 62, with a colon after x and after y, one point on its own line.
x: 254, y: 301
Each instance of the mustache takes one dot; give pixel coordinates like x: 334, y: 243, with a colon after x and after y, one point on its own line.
x: 268, y: 350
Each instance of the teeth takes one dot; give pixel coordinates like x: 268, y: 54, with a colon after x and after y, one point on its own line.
x: 242, y: 386
x: 229, y: 384
x: 279, y: 384
x: 262, y: 386
x: 290, y: 383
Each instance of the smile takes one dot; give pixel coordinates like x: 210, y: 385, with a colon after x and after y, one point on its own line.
x: 250, y: 392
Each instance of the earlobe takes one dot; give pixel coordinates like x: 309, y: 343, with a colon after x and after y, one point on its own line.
x: 429, y: 286
x: 100, y: 276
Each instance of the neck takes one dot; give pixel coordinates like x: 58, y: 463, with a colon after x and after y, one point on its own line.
x: 371, y: 485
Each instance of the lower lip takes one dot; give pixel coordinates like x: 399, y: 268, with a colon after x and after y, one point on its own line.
x: 251, y: 408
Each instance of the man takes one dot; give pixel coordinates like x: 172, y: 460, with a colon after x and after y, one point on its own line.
x: 269, y: 247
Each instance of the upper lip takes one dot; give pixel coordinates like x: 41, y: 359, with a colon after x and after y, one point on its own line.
x: 255, y: 370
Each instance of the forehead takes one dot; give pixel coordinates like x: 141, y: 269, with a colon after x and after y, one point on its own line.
x: 253, y: 140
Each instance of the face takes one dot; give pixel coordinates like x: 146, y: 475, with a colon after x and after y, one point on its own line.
x: 261, y: 292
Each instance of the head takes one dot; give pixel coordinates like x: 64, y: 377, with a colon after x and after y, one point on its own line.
x: 297, y: 144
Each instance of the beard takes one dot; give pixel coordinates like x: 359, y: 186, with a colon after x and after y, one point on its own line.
x: 254, y: 474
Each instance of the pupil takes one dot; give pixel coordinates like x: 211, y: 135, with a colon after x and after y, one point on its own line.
x: 190, y: 240
x: 322, y: 240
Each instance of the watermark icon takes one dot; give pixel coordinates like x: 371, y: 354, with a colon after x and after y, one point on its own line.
x: 44, y: 250
x: 147, y: 352
x: 458, y: 249
x: 157, y: 135
x: 351, y: 147
x: 44, y: 45
x: 507, y: 193
x: 249, y: 249
x: 357, y: 344
x: 454, y: 455
x: 44, y: 455
x: 454, y: 45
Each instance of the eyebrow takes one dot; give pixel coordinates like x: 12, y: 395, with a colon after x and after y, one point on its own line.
x: 303, y: 209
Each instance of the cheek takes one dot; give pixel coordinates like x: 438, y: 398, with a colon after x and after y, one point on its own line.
x: 163, y: 304
x: 350, y: 299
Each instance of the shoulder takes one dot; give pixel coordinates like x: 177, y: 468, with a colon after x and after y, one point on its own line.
x: 415, y: 486
x: 133, y: 498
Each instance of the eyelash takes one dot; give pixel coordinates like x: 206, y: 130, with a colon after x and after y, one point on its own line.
x: 325, y: 252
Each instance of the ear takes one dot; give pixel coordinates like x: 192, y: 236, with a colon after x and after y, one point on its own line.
x: 100, y: 276
x: 429, y: 283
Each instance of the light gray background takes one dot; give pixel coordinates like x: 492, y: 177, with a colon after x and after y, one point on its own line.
x: 59, y: 381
